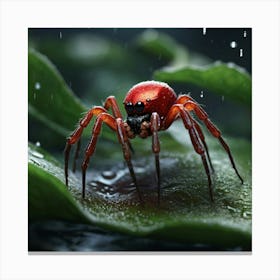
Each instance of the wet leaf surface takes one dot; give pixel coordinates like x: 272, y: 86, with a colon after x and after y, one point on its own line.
x: 185, y: 215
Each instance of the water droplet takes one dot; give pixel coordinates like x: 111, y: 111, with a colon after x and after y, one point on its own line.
x: 37, y: 85
x: 233, y: 44
x: 241, y: 52
x: 245, y: 34
x: 108, y: 174
x: 231, y: 209
x: 223, y: 98
x: 204, y: 31
x: 246, y: 214
x: 93, y: 184
x: 202, y: 94
x: 60, y: 35
x: 38, y: 144
x: 37, y: 155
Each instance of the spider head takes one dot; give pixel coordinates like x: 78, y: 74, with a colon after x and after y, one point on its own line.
x: 135, y: 122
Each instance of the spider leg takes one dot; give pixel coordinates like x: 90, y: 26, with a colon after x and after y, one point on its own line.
x: 111, y: 102
x: 178, y: 109
x: 116, y: 125
x: 111, y: 122
x: 76, y: 135
x: 155, y: 126
x: 202, y: 115
x: 123, y: 139
x: 202, y: 138
x: 183, y: 99
x: 78, y: 147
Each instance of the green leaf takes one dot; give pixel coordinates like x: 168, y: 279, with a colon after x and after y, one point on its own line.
x: 186, y: 213
x: 225, y: 79
x: 163, y: 46
x: 50, y: 100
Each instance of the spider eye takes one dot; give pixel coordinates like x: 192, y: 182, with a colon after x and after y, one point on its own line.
x: 139, y: 106
x: 129, y: 107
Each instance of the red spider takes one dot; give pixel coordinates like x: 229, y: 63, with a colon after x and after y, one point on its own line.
x: 151, y: 106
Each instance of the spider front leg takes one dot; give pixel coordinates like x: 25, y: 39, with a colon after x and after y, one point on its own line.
x: 117, y: 126
x: 178, y: 109
x: 76, y: 135
x: 111, y: 103
x: 155, y: 126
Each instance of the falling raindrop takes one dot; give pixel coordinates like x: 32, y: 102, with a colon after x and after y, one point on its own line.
x: 37, y: 85
x: 241, y: 52
x: 38, y: 144
x: 202, y: 94
x: 233, y: 44
x: 223, y: 98
x: 244, y: 34
x: 204, y: 31
x: 60, y: 35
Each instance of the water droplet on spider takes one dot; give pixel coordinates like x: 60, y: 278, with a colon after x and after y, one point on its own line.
x: 38, y: 144
x: 204, y: 31
x: 60, y: 35
x: 37, y: 86
x: 245, y: 34
x: 37, y: 155
x: 202, y: 94
x: 233, y: 44
x: 109, y: 174
x: 241, y: 52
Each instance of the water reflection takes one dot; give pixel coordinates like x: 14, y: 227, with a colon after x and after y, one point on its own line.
x: 65, y: 237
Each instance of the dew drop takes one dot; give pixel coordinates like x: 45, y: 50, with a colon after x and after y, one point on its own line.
x: 246, y: 214
x: 233, y: 44
x: 37, y: 86
x: 38, y: 144
x: 93, y: 184
x: 109, y: 174
x: 204, y: 31
x: 37, y: 155
x: 241, y: 52
x: 231, y: 209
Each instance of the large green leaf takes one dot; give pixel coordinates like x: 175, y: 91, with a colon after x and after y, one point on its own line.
x: 185, y: 215
x: 53, y: 109
x: 225, y: 79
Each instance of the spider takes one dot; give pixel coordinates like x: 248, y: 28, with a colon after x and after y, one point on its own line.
x: 151, y: 106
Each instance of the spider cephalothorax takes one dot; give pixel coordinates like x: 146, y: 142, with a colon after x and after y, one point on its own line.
x: 151, y: 106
